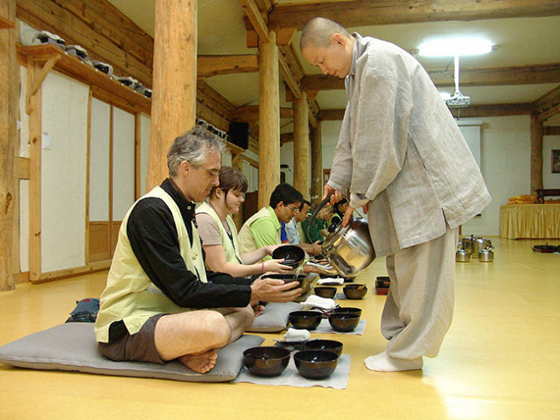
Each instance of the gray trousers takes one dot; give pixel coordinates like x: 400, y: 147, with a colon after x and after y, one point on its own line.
x: 419, y: 306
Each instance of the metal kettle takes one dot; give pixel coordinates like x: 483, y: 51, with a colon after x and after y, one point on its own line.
x: 348, y: 249
x: 486, y: 254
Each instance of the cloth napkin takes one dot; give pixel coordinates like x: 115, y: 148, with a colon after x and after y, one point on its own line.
x: 318, y: 302
x: 297, y: 335
x: 331, y: 280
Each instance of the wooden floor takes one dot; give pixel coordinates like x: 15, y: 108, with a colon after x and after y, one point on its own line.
x: 500, y: 360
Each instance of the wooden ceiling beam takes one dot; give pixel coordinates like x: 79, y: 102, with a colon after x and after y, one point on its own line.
x: 330, y: 114
x: 288, y: 76
x: 548, y: 105
x: 497, y: 110
x: 258, y: 21
x: 383, y: 12
x: 214, y: 65
x: 520, y: 75
x: 473, y: 111
x: 499, y: 76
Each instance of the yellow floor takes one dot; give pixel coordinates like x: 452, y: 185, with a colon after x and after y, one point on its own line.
x: 500, y: 360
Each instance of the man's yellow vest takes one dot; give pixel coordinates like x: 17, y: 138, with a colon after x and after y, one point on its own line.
x: 130, y: 295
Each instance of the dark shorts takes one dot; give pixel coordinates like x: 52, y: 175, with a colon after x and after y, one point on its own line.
x: 140, y: 347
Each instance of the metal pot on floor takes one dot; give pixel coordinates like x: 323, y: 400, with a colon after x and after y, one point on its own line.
x: 462, y: 255
x: 486, y: 255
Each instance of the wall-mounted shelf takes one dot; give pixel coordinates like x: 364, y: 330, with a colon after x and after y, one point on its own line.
x: 77, y: 69
x: 6, y: 24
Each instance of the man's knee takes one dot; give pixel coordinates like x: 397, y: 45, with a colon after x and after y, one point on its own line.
x: 248, y: 316
x: 218, y: 326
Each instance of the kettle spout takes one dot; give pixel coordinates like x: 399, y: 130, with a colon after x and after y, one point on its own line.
x: 326, y: 269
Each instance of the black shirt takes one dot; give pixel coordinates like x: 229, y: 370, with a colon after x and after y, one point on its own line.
x: 154, y: 240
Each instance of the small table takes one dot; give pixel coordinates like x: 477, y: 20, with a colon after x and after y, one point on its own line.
x: 532, y: 221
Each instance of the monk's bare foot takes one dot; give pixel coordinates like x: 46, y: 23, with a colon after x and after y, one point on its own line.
x: 200, y: 363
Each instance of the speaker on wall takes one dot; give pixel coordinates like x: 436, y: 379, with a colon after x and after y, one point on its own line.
x: 239, y: 134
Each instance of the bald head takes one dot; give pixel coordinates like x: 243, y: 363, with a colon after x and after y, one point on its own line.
x: 318, y: 32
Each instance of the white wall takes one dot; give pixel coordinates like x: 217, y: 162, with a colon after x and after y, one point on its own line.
x: 63, y: 173
x: 145, y: 122
x: 99, y: 150
x: 123, y: 162
x: 506, y: 157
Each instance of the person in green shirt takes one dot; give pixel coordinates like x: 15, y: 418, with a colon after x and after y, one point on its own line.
x: 263, y: 228
x: 316, y: 230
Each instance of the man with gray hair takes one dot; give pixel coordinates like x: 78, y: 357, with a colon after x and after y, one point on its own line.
x: 160, y: 304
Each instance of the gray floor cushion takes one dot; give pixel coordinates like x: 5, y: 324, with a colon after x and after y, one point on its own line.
x: 72, y: 347
x: 275, y: 317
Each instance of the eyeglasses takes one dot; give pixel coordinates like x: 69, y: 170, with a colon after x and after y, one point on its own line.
x: 215, y: 173
x: 293, y: 209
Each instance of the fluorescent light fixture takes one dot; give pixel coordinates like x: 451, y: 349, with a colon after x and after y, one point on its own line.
x: 450, y: 47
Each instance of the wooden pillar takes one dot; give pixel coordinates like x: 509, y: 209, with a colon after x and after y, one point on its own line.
x: 316, y: 161
x: 9, y: 84
x: 34, y: 109
x: 269, y: 119
x: 301, y: 145
x: 174, y: 81
x: 536, y: 154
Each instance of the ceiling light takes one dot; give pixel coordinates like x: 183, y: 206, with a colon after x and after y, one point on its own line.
x: 451, y: 47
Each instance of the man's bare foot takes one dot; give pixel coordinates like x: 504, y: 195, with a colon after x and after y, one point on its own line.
x: 200, y: 363
x: 258, y: 310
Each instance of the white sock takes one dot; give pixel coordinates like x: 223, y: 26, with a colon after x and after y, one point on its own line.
x: 373, y: 358
x: 384, y: 363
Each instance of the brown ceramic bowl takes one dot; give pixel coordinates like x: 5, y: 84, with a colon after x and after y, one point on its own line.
x: 293, y: 255
x: 316, y: 364
x: 348, y: 310
x: 382, y: 281
x: 344, y: 322
x: 327, y: 345
x: 288, y: 278
x: 266, y: 361
x: 355, y: 291
x: 305, y: 320
x: 325, y: 291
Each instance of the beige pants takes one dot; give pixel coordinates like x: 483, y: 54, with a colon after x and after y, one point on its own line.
x: 419, y: 306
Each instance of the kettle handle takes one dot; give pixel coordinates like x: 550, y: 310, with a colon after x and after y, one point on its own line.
x: 317, y: 210
x: 319, y: 207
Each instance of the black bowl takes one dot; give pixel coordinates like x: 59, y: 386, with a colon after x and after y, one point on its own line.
x: 305, y: 320
x: 327, y: 345
x: 316, y: 364
x: 325, y: 291
x: 344, y: 322
x: 293, y: 255
x: 266, y: 361
x: 382, y: 281
x: 348, y: 310
x: 354, y: 291
x: 287, y: 278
